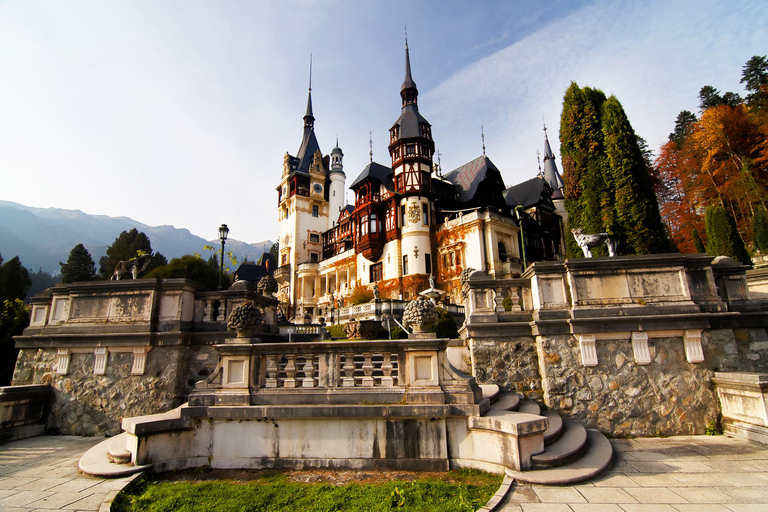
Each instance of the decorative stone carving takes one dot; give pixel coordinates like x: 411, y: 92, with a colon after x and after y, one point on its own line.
x: 139, y: 360
x: 100, y: 361
x: 267, y: 285
x: 588, y: 349
x: 244, y: 320
x: 464, y: 281
x: 132, y: 266
x: 586, y: 242
x: 414, y: 212
x: 420, y: 313
x: 640, y: 348
x: 692, y: 342
x: 62, y: 361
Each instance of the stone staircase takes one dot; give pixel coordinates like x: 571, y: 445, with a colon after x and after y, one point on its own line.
x: 571, y: 453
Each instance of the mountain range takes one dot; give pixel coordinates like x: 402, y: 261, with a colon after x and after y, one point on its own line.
x: 42, y: 237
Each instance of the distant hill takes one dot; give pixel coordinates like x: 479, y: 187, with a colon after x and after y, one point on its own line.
x: 42, y: 237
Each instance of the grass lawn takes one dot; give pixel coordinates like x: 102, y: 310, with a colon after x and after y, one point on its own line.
x: 241, y: 491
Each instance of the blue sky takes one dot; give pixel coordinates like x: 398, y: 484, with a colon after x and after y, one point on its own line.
x: 180, y: 112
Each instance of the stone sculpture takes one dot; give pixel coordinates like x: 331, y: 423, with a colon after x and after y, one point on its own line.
x: 376, y: 295
x: 420, y: 313
x: 134, y: 266
x: 245, y: 319
x: 267, y: 285
x: 586, y: 242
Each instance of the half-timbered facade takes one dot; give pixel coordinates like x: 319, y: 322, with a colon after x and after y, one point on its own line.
x: 408, y: 221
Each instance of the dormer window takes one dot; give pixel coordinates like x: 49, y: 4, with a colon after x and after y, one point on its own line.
x: 426, y: 131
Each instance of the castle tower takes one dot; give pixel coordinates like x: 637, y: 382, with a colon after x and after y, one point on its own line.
x: 411, y: 148
x: 337, y: 180
x: 303, y: 210
x: 555, y: 181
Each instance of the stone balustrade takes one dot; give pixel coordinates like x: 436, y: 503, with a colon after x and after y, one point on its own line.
x: 337, y: 372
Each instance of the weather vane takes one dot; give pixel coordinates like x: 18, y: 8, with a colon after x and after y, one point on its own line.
x: 482, y: 136
x: 370, y: 144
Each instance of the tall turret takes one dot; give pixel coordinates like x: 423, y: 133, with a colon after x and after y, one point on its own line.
x: 336, y: 187
x: 411, y: 148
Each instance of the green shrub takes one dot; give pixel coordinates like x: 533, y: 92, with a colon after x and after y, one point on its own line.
x: 445, y: 327
x: 191, y: 267
x: 337, y: 331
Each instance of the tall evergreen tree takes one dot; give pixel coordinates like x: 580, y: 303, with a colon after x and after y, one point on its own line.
x: 723, y: 238
x: 683, y: 124
x: 129, y: 244
x: 607, y: 185
x: 638, y: 222
x: 698, y: 243
x: 754, y: 76
x: 16, y: 280
x: 79, y: 266
x: 760, y: 228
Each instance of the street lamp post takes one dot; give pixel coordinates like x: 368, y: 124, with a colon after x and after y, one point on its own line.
x: 518, y: 214
x: 223, y: 232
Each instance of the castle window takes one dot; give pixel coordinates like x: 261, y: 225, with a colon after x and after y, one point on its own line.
x: 314, y: 257
x: 405, y: 265
x: 402, y: 215
x: 502, y: 252
x: 428, y: 263
x: 410, y: 149
x: 374, y: 223
x: 425, y: 214
x: 376, y: 272
x: 315, y: 210
x: 314, y: 237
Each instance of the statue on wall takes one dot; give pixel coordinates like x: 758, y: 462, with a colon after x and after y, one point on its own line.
x: 134, y: 266
x: 586, y: 242
x: 376, y: 291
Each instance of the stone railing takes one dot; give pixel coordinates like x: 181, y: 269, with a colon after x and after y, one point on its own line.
x: 23, y: 411
x: 337, y: 372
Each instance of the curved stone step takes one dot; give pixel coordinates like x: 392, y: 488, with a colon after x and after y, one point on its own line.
x: 572, y: 442
x: 116, y: 452
x: 96, y: 461
x: 490, y: 391
x: 529, y: 407
x: 506, y: 402
x: 596, y: 460
x: 552, y: 433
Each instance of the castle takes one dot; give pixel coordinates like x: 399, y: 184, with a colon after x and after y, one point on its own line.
x: 408, y: 221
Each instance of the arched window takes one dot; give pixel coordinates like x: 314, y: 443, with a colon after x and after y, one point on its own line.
x: 502, y: 252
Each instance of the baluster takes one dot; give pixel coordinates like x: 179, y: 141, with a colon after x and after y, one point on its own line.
x: 290, y: 372
x: 309, y: 372
x: 348, y: 381
x: 386, y: 370
x: 271, y: 371
x: 498, y: 298
x: 368, y: 370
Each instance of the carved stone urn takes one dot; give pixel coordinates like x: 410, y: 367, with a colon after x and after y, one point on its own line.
x: 245, y: 320
x: 420, y: 314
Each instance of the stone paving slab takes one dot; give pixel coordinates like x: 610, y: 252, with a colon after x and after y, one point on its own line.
x: 678, y: 474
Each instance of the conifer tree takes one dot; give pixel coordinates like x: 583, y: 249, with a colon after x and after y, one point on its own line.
x: 129, y: 244
x: 607, y: 185
x: 698, y: 243
x: 760, y: 228
x: 79, y: 266
x: 723, y: 238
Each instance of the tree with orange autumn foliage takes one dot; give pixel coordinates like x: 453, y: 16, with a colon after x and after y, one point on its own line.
x: 721, y: 160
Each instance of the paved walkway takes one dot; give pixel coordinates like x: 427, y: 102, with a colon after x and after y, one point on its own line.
x: 41, y: 474
x: 679, y: 474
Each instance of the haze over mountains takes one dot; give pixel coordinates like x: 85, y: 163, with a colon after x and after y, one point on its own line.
x: 42, y: 237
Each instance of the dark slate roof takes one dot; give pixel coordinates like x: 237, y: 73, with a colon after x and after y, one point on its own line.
x: 410, y: 122
x: 307, y: 150
x: 551, y: 173
x: 469, y: 176
x: 528, y: 193
x: 377, y: 172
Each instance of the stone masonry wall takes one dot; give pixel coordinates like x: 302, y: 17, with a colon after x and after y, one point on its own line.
x: 86, y: 404
x: 669, y: 396
x: 736, y: 350
x: 512, y: 364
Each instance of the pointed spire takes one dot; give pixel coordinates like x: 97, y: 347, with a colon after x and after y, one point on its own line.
x: 309, y: 118
x: 408, y: 91
x: 482, y: 136
x: 551, y: 174
x: 548, y: 155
